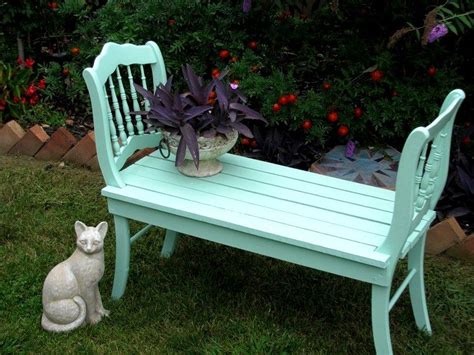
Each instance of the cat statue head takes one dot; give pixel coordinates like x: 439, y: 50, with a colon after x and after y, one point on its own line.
x: 90, y: 239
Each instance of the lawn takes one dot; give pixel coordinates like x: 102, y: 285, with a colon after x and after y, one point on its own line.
x: 206, y: 298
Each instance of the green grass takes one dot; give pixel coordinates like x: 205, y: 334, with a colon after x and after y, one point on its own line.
x: 206, y: 298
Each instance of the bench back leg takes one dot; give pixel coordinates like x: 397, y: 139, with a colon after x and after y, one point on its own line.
x: 417, y: 286
x: 380, y: 319
x: 169, y: 244
x: 122, y: 256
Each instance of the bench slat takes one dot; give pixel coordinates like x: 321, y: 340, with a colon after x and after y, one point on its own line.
x: 316, y: 189
x: 325, y: 204
x: 173, y: 185
x: 296, y: 174
x: 248, y: 224
x: 254, y: 198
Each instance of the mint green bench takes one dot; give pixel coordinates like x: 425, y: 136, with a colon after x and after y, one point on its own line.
x: 341, y: 227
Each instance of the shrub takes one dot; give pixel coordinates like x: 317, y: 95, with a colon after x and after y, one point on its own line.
x: 19, y: 90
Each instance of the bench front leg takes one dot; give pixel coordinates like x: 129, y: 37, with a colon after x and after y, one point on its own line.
x: 417, y: 286
x: 122, y: 256
x: 169, y: 244
x: 380, y: 319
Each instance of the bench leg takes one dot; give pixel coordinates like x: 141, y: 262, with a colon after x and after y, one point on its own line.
x: 417, y: 286
x: 380, y: 319
x: 169, y: 243
x: 122, y: 256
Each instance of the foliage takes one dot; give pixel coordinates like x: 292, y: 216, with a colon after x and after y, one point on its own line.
x: 455, y: 15
x: 66, y: 89
x: 43, y: 113
x: 456, y: 200
x: 326, y: 54
x: 206, y: 110
x: 18, y: 89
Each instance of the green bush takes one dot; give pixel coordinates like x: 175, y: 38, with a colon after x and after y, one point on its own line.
x: 322, y: 52
x: 18, y: 89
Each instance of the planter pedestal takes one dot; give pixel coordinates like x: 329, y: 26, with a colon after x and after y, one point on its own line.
x: 209, y: 150
x: 206, y: 168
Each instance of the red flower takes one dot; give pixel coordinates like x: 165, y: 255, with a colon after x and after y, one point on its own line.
x: 326, y: 86
x: 34, y: 100
x: 19, y: 60
x: 29, y: 62
x: 23, y: 100
x: 3, y: 104
x: 376, y: 75
x: 432, y: 71
x: 31, y: 90
x: 16, y: 99
x: 42, y: 84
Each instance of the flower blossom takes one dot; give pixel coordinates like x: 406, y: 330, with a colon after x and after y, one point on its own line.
x: 437, y: 31
x: 29, y: 62
x: 247, y: 4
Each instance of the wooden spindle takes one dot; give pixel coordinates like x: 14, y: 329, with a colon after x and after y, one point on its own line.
x: 118, y: 114
x: 143, y: 77
x: 125, y: 108
x: 113, y: 131
x: 136, y: 105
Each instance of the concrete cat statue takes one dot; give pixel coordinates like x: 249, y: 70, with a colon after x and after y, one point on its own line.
x: 71, y: 294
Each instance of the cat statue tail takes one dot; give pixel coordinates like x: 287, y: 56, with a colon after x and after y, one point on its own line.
x: 54, y: 327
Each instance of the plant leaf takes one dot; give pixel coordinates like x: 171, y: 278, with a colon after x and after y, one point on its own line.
x: 194, y: 83
x: 180, y: 152
x: 248, y: 112
x: 197, y: 111
x: 169, y: 83
x: 189, y: 136
x: 451, y: 27
x: 466, y: 21
x: 145, y: 93
x: 221, y: 95
x: 243, y: 129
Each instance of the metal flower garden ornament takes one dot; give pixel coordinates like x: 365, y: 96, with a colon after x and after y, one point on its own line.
x: 201, y: 124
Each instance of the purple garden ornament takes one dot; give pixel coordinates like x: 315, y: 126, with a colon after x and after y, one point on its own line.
x: 350, y: 149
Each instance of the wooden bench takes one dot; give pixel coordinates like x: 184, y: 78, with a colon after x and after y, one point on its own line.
x: 324, y: 223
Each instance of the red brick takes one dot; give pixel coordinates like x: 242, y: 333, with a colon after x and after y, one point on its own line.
x: 464, y: 250
x: 443, y: 236
x: 83, y: 151
x: 10, y: 134
x: 138, y: 155
x: 93, y: 163
x: 31, y: 142
x: 58, y: 145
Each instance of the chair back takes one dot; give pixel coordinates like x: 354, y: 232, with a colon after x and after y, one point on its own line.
x: 113, y: 97
x: 422, y: 174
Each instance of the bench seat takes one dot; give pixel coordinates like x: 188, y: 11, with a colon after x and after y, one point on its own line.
x: 316, y: 212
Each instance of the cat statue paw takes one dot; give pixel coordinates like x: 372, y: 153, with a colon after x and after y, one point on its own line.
x: 71, y: 294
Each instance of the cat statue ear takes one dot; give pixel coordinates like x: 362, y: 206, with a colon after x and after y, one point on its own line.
x: 101, y: 228
x: 79, y: 227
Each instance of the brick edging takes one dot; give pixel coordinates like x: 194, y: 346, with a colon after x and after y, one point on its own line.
x: 62, y: 145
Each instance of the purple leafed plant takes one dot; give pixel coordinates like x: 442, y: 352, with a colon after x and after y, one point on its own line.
x: 193, y: 114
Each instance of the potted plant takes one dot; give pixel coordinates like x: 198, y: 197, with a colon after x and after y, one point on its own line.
x: 201, y: 124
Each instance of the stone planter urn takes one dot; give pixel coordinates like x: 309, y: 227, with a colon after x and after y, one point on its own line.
x: 209, y: 150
